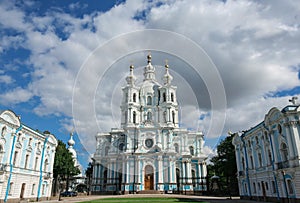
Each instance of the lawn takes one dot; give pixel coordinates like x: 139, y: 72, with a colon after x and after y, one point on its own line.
x: 143, y: 200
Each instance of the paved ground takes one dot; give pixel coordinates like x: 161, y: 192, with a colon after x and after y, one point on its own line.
x: 198, y: 198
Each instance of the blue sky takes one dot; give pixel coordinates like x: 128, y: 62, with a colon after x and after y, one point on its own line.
x: 44, y: 45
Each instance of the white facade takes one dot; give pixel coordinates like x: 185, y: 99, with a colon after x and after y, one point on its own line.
x: 150, y: 152
x: 26, y: 160
x: 267, y: 157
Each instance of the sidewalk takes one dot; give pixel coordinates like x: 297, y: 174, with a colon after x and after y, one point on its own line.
x: 197, y: 198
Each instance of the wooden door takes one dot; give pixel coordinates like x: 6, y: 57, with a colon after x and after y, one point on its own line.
x: 148, y: 178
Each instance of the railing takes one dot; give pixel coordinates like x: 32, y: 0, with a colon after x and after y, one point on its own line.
x: 283, y: 164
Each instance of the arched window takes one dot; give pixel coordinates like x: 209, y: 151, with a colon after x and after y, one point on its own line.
x: 134, y: 97
x: 284, y: 152
x: 243, y: 164
x: 105, y: 177
x: 134, y: 117
x: 192, y: 150
x: 149, y: 100
x: 173, y: 117
x: 176, y: 148
x: 172, y: 97
x: 149, y: 116
x: 259, y: 159
x: 26, y: 161
x: 270, y: 157
x: 254, y: 188
x: 251, y: 160
x: 46, y: 165
x: 164, y: 97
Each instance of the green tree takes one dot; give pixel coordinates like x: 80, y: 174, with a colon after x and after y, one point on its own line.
x: 224, y: 166
x: 63, y: 167
x: 89, y: 174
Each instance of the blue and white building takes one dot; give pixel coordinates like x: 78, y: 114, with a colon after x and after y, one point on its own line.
x: 267, y: 157
x: 26, y: 160
x: 150, y: 153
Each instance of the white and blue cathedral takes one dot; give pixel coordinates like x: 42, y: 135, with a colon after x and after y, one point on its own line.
x: 149, y: 153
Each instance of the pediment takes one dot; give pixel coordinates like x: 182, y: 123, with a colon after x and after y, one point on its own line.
x: 10, y: 117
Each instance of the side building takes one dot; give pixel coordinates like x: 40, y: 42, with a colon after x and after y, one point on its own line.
x: 150, y: 153
x: 26, y: 160
x: 267, y: 157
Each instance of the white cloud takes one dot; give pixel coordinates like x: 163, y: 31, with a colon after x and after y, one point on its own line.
x: 15, y: 96
x: 6, y: 79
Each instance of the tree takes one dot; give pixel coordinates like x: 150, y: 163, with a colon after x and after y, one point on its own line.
x: 89, y: 174
x: 224, y: 166
x: 63, y: 167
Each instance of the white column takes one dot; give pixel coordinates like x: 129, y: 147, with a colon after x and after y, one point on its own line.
x: 160, y: 169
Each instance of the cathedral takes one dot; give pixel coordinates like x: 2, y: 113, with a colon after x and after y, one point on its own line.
x: 149, y: 153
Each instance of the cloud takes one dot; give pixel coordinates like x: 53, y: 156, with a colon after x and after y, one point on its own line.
x: 6, y: 79
x: 252, y: 44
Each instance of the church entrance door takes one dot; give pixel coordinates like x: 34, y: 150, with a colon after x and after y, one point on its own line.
x: 149, y: 178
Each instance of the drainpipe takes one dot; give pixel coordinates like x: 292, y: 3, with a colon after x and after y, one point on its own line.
x: 41, y: 169
x: 10, y: 162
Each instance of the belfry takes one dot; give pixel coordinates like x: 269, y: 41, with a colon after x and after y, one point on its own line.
x: 149, y: 153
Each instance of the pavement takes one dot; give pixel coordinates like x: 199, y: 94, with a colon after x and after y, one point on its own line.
x: 196, y: 198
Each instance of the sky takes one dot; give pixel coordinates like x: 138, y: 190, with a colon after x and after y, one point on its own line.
x: 63, y: 63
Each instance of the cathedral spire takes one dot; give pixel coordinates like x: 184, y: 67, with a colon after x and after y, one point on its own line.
x: 149, y: 70
x: 131, y: 78
x: 167, y: 77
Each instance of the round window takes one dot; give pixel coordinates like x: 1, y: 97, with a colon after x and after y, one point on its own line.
x: 149, y: 143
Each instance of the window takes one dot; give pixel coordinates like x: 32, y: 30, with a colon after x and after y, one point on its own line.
x: 254, y: 188
x: 176, y: 148
x: 284, y: 152
x: 267, y: 186
x: 134, y: 97
x: 15, y: 158
x: 10, y: 188
x: 149, y: 100
x: 259, y: 159
x: 164, y: 97
x: 290, y: 186
x: 134, y: 117
x: 258, y: 184
x: 273, y: 186
x: 43, y: 189
x: 270, y: 157
x: 36, y: 163
x: 172, y: 97
x: 173, y: 116
x: 279, y: 128
x: 194, y: 178
x: 256, y: 138
x: 32, y: 189
x: 29, y: 142
x: 246, y: 189
x: 251, y: 160
x: 243, y: 164
x: 249, y: 143
x: 192, y: 150
x: 46, y: 165
x: 149, y: 116
x: 26, y: 161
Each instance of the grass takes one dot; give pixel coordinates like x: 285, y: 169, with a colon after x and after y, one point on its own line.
x: 143, y: 200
